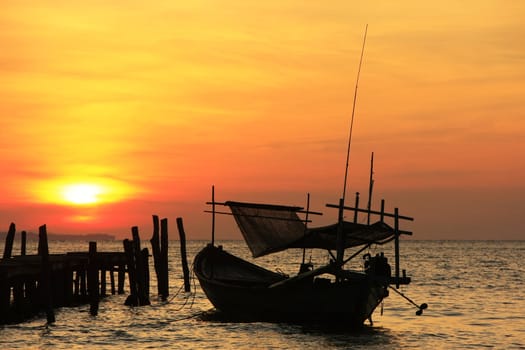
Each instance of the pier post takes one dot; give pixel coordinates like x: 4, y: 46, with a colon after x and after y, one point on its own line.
x: 132, y: 299
x: 103, y: 281
x: 23, y: 243
x: 5, y: 297
x: 145, y: 267
x: 121, y: 279
x: 31, y: 293
x: 45, y: 274
x: 185, y: 269
x: 76, y: 284
x: 140, y: 266
x: 112, y: 279
x: 9, y: 239
x: 67, y: 284
x: 83, y: 283
x: 164, y: 241
x: 18, y: 293
x: 155, y: 250
x: 93, y: 290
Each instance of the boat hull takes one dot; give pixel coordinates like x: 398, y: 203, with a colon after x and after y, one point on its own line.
x: 225, y: 281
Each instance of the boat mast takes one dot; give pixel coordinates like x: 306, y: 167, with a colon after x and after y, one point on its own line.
x: 306, y: 223
x: 213, y: 215
x: 370, y: 188
x: 340, y: 238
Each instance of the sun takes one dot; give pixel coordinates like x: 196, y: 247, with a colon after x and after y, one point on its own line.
x: 82, y: 194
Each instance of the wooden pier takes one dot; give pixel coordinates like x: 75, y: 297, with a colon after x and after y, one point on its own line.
x: 26, y: 291
x: 34, y: 284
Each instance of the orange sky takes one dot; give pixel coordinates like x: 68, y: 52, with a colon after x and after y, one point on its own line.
x: 151, y: 103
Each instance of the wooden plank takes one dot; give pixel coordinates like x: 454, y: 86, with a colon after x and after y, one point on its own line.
x: 257, y: 216
x: 400, y: 217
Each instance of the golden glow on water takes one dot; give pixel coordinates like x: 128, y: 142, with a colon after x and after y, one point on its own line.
x: 474, y: 290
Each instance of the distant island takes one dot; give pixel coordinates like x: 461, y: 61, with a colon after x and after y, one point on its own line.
x: 65, y: 237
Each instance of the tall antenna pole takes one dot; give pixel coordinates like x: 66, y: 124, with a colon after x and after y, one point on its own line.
x: 353, y: 114
x: 340, y: 233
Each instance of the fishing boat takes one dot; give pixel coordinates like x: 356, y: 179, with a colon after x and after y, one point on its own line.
x: 331, y: 292
x: 243, y: 290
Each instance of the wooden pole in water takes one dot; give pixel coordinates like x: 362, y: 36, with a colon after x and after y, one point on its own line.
x: 112, y: 279
x: 155, y: 250
x: 103, y: 281
x: 138, y: 264
x: 76, y: 284
x: 5, y: 297
x: 18, y: 293
x: 23, y: 243
x: 185, y: 269
x: 45, y: 274
x: 83, y: 283
x: 145, y: 267
x: 9, y: 239
x: 67, y: 279
x: 132, y: 299
x: 164, y: 243
x: 140, y: 267
x: 121, y: 276
x: 93, y: 279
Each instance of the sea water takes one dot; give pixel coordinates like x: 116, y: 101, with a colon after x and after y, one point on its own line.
x: 474, y: 291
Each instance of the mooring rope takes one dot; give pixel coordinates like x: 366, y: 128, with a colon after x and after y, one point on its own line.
x: 192, y: 294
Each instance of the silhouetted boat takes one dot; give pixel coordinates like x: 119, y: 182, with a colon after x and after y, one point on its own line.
x: 245, y: 291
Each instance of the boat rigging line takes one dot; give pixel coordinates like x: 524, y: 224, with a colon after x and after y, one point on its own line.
x: 421, y: 307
